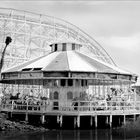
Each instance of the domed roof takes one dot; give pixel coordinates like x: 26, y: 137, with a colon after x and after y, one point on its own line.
x: 73, y: 61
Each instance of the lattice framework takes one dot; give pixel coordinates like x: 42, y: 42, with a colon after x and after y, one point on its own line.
x: 32, y: 33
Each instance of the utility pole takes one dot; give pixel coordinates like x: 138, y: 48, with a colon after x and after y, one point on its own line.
x: 7, y: 42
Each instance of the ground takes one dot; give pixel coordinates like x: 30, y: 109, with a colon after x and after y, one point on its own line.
x: 7, y: 125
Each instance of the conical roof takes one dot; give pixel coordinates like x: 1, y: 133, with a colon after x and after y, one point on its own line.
x: 73, y: 61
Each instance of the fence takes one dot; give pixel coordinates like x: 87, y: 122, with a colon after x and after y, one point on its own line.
x: 75, y: 106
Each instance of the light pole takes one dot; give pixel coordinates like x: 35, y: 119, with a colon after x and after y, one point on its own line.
x: 7, y: 42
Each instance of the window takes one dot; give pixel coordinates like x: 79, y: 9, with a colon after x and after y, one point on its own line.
x: 55, y: 105
x: 70, y: 82
x: 56, y: 83
x: 86, y: 82
x: 56, y: 95
x: 64, y: 47
x: 37, y: 68
x: 69, y: 95
x: 55, y: 47
x: 63, y: 82
x: 82, y: 83
x: 73, y: 46
x: 27, y: 69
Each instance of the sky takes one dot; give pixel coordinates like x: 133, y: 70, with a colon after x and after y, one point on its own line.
x: 114, y: 24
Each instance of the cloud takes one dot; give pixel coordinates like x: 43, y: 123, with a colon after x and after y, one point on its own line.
x: 127, y: 43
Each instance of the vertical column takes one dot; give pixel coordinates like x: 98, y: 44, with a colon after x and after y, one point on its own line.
x: 42, y: 118
x: 74, y: 122
x: 99, y: 91
x: 12, y: 107
x: 135, y: 100
x: 78, y: 121
x: 69, y: 74
x: 134, y: 117
x: 12, y: 91
x: 58, y: 119
x: 61, y: 120
x: 26, y: 117
x: 95, y: 89
x: 119, y: 121
x: 96, y: 121
x: 91, y: 121
x: 124, y: 119
x: 110, y: 121
x: 107, y: 120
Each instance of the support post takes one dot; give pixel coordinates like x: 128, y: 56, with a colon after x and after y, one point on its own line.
x: 110, y: 121
x: 61, y: 120
x: 134, y: 117
x: 96, y: 121
x: 26, y: 117
x: 119, y: 121
x: 78, y: 121
x: 57, y: 118
x: 91, y: 121
x: 124, y: 119
x: 42, y: 118
x: 135, y: 99
x: 74, y: 122
x: 107, y: 119
x: 12, y: 107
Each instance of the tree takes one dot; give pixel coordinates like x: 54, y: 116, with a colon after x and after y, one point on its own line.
x: 7, y: 42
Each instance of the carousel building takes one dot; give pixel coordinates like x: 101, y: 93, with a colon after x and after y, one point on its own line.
x: 69, y: 83
x: 69, y: 86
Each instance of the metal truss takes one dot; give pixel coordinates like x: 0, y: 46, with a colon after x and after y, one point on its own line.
x: 32, y: 33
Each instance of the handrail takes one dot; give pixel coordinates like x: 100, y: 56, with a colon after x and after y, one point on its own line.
x: 82, y: 106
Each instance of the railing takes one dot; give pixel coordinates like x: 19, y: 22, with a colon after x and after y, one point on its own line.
x: 76, y: 106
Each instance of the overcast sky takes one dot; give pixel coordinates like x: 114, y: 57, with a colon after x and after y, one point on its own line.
x: 115, y: 25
